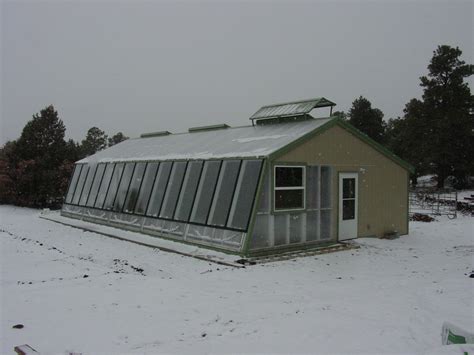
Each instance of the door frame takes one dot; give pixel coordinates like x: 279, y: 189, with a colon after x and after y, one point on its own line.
x: 341, y: 176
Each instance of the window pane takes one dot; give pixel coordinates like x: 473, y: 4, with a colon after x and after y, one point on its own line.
x: 348, y: 209
x: 348, y: 188
x: 123, y: 188
x: 104, y: 185
x: 188, y: 191
x: 326, y: 173
x: 172, y: 190
x: 72, y: 185
x: 224, y: 192
x: 159, y: 189
x: 288, y: 176
x: 95, y: 185
x: 147, y: 185
x: 134, y: 187
x: 87, y: 185
x: 80, y: 184
x: 288, y: 199
x: 244, y: 194
x: 205, y: 191
x: 114, y: 184
x: 312, y: 181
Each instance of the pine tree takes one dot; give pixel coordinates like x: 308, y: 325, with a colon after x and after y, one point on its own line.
x: 95, y: 140
x: 117, y: 138
x: 448, y: 115
x: 33, y: 163
x: 367, y: 119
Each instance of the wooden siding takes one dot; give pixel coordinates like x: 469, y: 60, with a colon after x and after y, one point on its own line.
x: 383, y: 184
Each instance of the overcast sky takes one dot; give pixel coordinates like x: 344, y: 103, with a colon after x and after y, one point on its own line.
x: 135, y: 66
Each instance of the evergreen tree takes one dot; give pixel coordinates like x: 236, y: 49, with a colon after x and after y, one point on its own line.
x: 117, y: 138
x: 448, y: 115
x: 367, y: 119
x: 95, y: 140
x: 33, y: 166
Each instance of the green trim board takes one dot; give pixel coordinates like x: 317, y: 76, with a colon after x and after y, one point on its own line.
x: 347, y: 126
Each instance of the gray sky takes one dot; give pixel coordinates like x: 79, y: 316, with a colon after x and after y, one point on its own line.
x: 137, y: 66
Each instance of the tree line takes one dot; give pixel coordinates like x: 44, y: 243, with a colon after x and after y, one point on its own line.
x: 435, y: 134
x: 35, y: 168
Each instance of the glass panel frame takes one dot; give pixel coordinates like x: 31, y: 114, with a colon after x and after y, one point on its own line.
x: 96, y: 185
x: 104, y: 185
x: 113, y: 186
x: 224, y: 193
x: 80, y: 184
x: 245, y: 194
x: 160, y: 186
x: 73, y: 183
x: 173, y: 189
x: 280, y: 190
x: 188, y: 190
x: 148, y: 181
x: 88, y: 185
x: 124, y: 184
x: 205, y: 192
x: 134, y: 187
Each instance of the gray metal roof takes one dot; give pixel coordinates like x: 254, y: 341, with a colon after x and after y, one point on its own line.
x: 247, y: 141
x: 295, y: 108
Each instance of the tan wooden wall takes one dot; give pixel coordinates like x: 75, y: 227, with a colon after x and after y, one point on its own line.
x: 383, y: 184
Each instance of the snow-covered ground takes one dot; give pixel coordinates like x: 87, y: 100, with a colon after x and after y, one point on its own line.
x: 84, y: 292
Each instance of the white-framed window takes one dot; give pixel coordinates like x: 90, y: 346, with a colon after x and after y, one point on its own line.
x: 289, y: 187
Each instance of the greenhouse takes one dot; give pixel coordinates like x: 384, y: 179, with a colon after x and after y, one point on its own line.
x: 286, y: 181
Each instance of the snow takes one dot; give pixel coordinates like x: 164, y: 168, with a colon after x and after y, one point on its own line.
x: 244, y: 142
x: 253, y: 139
x: 85, y: 292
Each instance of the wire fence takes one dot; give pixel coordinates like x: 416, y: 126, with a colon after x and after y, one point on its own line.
x: 434, y: 202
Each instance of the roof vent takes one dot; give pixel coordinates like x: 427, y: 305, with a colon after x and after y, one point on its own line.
x: 290, y: 109
x: 208, y: 128
x: 155, y: 134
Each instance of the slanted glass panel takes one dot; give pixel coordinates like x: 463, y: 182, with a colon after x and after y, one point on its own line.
x: 134, y: 188
x: 113, y: 187
x: 205, y: 191
x: 147, y: 186
x: 224, y: 192
x: 87, y: 185
x: 244, y: 194
x: 80, y: 185
x: 104, y: 185
x: 123, y: 187
x: 188, y: 191
x: 172, y: 190
x: 159, y: 189
x: 72, y: 185
x: 95, y: 185
x: 326, y: 173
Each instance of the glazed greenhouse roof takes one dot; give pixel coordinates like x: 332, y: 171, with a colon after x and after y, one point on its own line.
x: 243, y: 142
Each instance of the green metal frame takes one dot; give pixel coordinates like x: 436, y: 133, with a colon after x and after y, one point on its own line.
x: 261, y: 183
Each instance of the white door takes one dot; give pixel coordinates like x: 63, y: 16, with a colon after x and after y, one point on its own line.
x: 348, y: 202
